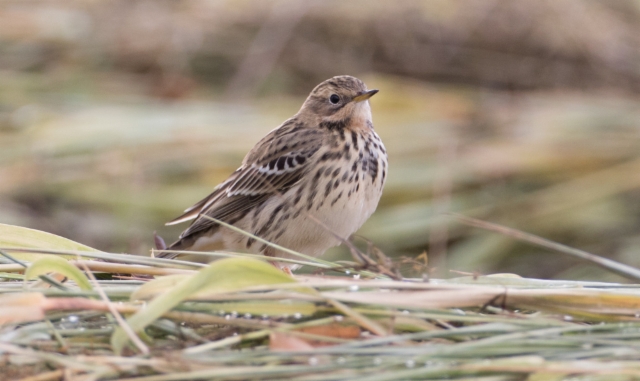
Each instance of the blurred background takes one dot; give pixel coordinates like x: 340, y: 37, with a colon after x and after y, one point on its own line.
x: 117, y: 115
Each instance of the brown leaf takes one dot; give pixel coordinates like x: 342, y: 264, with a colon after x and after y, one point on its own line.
x: 334, y: 330
x: 21, y: 307
x: 279, y: 341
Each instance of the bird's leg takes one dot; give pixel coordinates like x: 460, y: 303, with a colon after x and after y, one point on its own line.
x: 285, y: 269
x: 269, y: 252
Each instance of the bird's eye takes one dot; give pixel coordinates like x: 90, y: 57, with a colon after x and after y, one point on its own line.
x: 334, y: 98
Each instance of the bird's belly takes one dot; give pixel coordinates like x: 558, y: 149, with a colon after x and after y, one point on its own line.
x: 350, y: 211
x: 331, y: 218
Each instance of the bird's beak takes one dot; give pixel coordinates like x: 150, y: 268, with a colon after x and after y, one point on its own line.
x: 364, y: 96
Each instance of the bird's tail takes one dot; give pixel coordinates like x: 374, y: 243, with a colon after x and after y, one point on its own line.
x: 169, y: 253
x: 191, y: 243
x: 163, y: 250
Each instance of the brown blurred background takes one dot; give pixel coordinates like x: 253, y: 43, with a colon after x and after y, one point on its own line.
x: 117, y: 115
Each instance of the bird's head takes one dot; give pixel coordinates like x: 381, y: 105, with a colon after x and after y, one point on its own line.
x: 341, y: 100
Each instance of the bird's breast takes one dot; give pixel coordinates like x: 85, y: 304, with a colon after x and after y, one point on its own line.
x: 348, y: 180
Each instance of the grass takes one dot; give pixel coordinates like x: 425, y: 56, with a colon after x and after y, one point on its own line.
x: 241, y: 318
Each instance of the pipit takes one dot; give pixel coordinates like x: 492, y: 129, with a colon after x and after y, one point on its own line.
x: 310, y: 182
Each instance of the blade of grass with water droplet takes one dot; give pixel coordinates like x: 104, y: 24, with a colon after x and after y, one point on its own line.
x: 223, y: 276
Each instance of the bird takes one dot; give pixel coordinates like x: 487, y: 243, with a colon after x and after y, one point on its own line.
x: 307, y: 185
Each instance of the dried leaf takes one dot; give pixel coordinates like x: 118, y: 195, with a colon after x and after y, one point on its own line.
x: 336, y: 330
x: 279, y: 341
x: 20, y: 308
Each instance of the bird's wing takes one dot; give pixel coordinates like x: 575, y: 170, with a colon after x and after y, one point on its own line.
x: 275, y: 164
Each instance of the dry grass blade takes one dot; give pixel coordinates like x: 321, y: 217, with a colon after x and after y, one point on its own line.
x: 611, y: 265
x: 54, y: 375
x: 270, y: 244
x: 359, y: 318
x: 121, y: 322
x: 314, y: 261
x: 126, y: 269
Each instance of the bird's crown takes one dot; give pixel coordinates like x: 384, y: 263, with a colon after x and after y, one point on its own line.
x: 335, y: 94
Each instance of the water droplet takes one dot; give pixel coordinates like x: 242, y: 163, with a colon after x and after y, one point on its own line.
x: 227, y: 317
x: 297, y: 315
x: 338, y: 318
x: 247, y: 316
x: 347, y: 272
x: 405, y: 312
x: 637, y: 315
x: 341, y: 360
x: 182, y: 324
x: 73, y: 319
x: 365, y: 333
x: 568, y: 318
x: 458, y: 311
x: 234, y: 314
x: 410, y: 363
x: 313, y: 361
x: 377, y: 361
x: 235, y: 334
x: 354, y: 287
x: 356, y: 276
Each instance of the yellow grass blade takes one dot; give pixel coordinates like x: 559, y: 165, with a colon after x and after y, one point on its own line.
x: 19, y: 237
x: 221, y: 276
x: 50, y: 263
